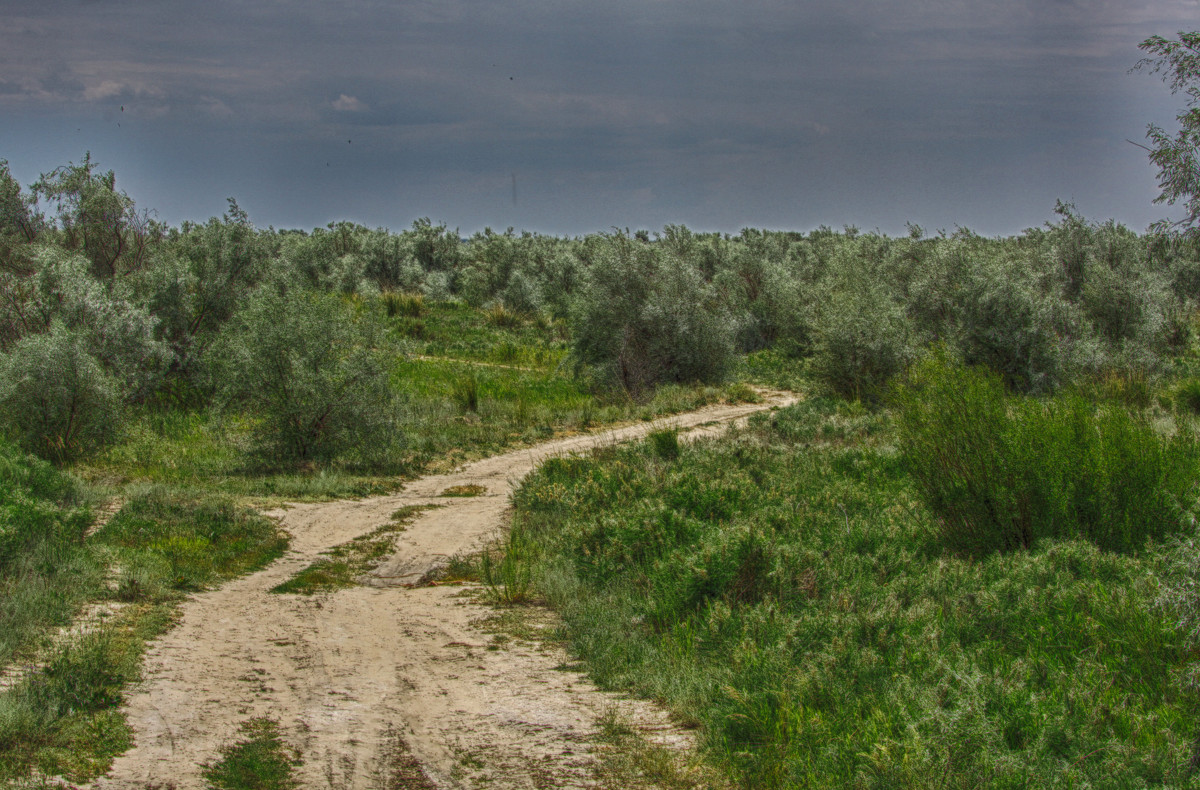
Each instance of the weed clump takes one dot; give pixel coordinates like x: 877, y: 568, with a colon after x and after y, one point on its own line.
x: 401, y: 304
x: 260, y: 760
x: 1002, y: 472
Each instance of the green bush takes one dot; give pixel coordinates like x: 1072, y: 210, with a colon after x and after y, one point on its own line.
x: 310, y: 370
x: 863, y: 339
x: 645, y: 318
x: 1003, y: 472
x: 56, y: 399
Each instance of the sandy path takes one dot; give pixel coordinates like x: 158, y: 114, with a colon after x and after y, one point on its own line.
x: 344, y: 673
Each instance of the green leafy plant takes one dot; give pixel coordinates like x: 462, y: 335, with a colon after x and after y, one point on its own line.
x: 56, y: 398
x: 314, y: 374
x: 507, y: 569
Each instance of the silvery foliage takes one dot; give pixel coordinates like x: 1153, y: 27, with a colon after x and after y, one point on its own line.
x: 198, y: 287
x: 56, y: 398
x: 1177, y: 156
x: 769, y: 303
x: 437, y: 286
x: 20, y: 312
x: 20, y: 224
x: 1013, y: 321
x: 313, y: 371
x: 861, y: 337
x: 646, y: 316
x: 114, y: 330
x: 328, y: 260
x: 410, y: 277
x: 521, y: 294
x: 348, y: 276
x: 560, y: 277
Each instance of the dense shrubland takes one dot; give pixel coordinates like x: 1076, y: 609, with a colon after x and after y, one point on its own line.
x: 139, y: 315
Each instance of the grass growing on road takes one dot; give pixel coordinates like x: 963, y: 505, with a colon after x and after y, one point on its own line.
x: 260, y: 760
x: 346, y: 564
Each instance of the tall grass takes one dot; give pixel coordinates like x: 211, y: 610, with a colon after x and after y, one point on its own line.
x: 1004, y: 472
x: 45, y: 573
x: 786, y: 589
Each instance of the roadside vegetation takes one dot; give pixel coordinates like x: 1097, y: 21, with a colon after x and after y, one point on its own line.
x: 968, y: 558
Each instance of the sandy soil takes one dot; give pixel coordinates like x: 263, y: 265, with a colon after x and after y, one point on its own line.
x: 349, y: 673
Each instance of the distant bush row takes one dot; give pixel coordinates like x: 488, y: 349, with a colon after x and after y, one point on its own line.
x: 101, y: 306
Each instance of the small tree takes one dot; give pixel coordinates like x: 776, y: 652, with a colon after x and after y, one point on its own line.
x: 863, y: 339
x: 645, y: 317
x: 116, y: 331
x: 97, y: 219
x: 57, y: 400
x: 195, y: 288
x: 1175, y: 155
x: 310, y: 370
x: 20, y: 224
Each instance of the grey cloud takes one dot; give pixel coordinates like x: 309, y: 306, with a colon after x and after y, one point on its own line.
x: 682, y: 104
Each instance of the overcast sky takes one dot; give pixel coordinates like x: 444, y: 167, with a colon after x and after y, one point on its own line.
x: 570, y: 117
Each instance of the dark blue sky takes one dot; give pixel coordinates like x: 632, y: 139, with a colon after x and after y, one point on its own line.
x: 717, y: 115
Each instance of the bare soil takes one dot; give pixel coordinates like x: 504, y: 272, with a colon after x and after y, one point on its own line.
x: 391, y: 673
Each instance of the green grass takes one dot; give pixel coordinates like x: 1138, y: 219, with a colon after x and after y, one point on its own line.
x: 349, y: 562
x: 461, y: 332
x: 1003, y: 472
x: 464, y: 491
x: 469, y: 390
x: 260, y: 760
x: 787, y: 590
x: 162, y: 544
x: 45, y: 572
x: 628, y: 760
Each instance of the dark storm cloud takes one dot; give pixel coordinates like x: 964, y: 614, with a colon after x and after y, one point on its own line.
x: 712, y: 113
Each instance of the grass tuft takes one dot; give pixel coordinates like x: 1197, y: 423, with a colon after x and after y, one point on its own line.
x: 464, y: 491
x: 406, y: 305
x: 260, y: 760
x: 346, y: 564
x: 507, y: 570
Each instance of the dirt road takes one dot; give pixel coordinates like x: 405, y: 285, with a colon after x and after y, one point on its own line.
x: 347, y: 674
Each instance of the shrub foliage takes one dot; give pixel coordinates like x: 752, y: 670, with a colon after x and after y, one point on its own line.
x: 1002, y: 472
x: 311, y: 371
